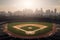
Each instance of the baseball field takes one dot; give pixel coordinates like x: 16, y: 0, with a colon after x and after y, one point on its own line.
x: 28, y: 28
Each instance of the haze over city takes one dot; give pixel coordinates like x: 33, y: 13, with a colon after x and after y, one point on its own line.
x: 14, y: 5
x: 29, y: 19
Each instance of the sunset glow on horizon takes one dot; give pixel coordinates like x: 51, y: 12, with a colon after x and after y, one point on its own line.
x: 13, y: 5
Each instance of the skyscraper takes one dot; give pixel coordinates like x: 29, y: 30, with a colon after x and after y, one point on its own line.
x: 55, y: 10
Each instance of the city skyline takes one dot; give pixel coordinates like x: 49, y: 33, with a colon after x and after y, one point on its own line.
x: 14, y: 5
x: 36, y: 10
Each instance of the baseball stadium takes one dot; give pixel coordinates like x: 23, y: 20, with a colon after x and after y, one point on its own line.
x: 29, y: 29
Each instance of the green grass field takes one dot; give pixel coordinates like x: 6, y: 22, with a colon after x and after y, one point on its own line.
x: 22, y: 33
x: 27, y: 28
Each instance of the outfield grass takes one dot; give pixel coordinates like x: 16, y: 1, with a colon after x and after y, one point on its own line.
x: 21, y: 33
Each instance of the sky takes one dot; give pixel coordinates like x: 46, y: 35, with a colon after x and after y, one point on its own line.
x: 13, y: 5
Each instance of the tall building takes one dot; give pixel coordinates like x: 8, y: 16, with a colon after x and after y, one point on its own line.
x: 48, y: 11
x: 55, y: 10
x: 41, y: 10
